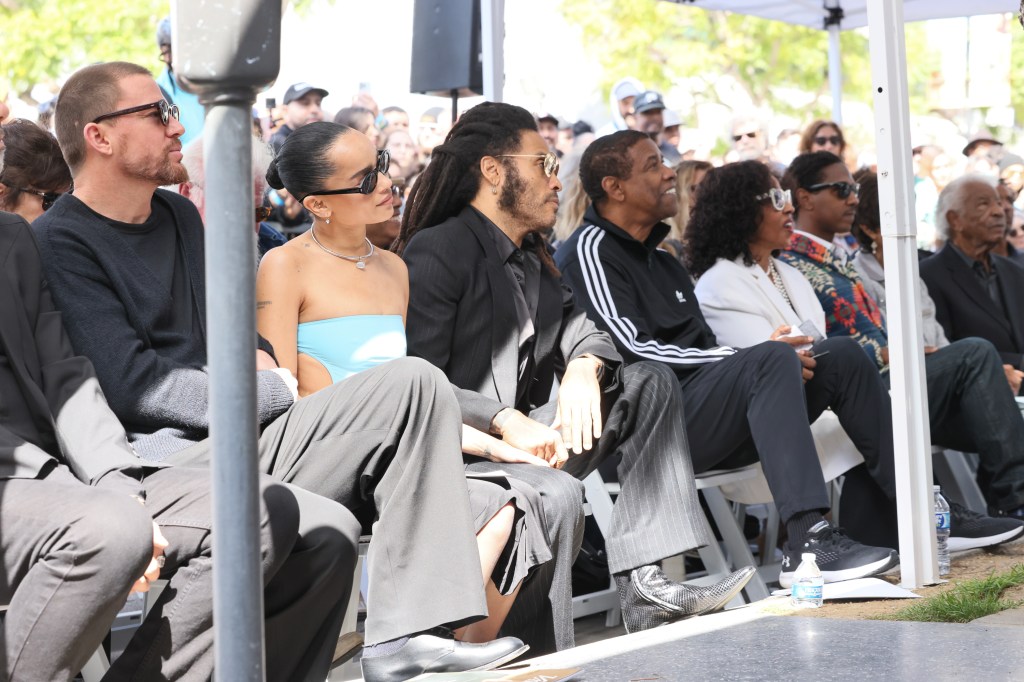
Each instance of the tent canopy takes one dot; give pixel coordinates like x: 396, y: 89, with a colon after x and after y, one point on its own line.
x: 813, y: 13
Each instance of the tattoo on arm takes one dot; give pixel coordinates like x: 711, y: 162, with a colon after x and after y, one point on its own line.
x: 260, y: 305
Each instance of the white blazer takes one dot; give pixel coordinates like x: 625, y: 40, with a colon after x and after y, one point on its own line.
x: 743, y: 307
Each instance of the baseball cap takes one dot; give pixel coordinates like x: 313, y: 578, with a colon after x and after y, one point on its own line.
x: 300, y: 90
x: 546, y: 116
x: 627, y: 87
x: 979, y: 139
x: 671, y: 118
x: 648, y: 100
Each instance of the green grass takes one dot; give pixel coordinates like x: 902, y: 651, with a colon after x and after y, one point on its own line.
x: 967, y: 601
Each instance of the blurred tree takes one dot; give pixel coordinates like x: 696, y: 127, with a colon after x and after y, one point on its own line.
x: 46, y: 39
x: 664, y: 44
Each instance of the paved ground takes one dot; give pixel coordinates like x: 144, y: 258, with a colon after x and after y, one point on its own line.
x: 747, y: 644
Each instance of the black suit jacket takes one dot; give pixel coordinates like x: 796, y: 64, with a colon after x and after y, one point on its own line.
x: 462, y: 318
x: 964, y: 308
x: 52, y: 410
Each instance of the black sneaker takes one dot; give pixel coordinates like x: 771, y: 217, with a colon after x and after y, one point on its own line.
x: 970, y: 530
x: 838, y: 557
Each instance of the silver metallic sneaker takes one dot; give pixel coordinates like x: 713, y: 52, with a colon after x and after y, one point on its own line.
x: 649, y: 599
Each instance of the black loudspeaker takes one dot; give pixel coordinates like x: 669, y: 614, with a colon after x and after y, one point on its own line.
x: 446, y: 52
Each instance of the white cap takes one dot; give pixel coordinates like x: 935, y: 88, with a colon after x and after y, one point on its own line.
x: 809, y: 556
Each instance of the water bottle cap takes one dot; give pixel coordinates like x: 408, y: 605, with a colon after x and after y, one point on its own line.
x: 937, y: 488
x: 809, y: 556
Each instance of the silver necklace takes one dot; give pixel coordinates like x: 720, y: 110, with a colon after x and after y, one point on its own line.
x: 360, y: 261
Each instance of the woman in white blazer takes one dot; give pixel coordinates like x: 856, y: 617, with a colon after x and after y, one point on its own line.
x: 741, y: 221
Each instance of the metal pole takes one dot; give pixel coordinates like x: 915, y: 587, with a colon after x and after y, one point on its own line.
x: 492, y: 33
x: 835, y: 72
x: 231, y: 325
x: 225, y: 50
x: 911, y: 435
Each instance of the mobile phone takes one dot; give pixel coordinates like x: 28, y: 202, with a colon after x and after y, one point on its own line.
x: 271, y: 103
x: 808, y: 328
x: 364, y: 87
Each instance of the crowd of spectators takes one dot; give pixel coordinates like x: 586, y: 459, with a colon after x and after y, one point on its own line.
x: 459, y: 321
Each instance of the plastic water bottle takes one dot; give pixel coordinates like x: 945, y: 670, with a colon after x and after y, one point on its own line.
x: 942, y: 531
x: 808, y: 583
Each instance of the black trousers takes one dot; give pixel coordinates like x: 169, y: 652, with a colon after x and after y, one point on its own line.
x: 754, y: 404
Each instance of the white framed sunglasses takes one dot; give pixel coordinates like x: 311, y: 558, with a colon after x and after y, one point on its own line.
x: 779, y: 198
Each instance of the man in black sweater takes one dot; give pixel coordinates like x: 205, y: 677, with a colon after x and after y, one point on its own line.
x: 739, y: 404
x: 125, y: 261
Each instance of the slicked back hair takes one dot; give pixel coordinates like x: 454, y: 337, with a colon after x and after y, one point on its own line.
x: 608, y: 156
x: 90, y: 92
x: 806, y: 170
x: 452, y: 178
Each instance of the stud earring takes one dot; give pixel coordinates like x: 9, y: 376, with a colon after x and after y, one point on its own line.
x: 327, y: 220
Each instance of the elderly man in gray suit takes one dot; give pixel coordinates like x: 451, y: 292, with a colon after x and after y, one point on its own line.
x: 487, y: 306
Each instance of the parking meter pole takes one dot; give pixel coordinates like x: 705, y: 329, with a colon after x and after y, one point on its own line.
x: 226, y: 51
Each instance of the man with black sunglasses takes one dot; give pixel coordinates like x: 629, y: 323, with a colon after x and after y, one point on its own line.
x: 125, y: 261
x: 969, y: 406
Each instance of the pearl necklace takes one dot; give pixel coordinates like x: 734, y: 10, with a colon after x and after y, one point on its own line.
x: 776, y: 279
x: 358, y: 260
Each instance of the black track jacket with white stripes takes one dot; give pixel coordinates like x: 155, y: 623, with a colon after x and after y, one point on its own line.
x: 640, y: 294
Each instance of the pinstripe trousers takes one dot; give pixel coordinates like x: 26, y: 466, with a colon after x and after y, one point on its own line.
x: 657, y: 513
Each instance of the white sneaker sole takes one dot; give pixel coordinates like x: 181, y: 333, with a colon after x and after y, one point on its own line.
x: 960, y: 544
x: 880, y: 566
x: 504, y: 659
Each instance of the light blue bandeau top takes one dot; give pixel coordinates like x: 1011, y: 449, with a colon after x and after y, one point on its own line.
x: 346, y: 345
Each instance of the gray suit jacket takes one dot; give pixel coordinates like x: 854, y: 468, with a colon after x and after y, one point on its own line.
x: 53, y: 411
x: 462, y: 318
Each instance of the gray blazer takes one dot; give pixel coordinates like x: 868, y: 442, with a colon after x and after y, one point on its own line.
x: 52, y: 408
x: 462, y: 318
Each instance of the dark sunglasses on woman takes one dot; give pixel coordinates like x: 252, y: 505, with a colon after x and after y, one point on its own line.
x: 833, y: 140
x: 369, y: 182
x: 47, y: 197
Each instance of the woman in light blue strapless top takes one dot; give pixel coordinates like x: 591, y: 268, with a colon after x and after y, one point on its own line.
x: 333, y: 305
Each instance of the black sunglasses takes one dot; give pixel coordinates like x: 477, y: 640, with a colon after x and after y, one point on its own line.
x: 751, y: 135
x: 843, y: 189
x: 369, y: 182
x: 833, y: 140
x: 48, y: 197
x: 166, y: 111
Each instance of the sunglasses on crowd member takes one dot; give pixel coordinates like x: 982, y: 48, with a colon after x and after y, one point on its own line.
x: 166, y: 111
x: 752, y: 134
x: 843, y: 189
x: 369, y: 182
x: 833, y: 140
x: 47, y: 197
x: 550, y: 161
x: 1014, y: 232
x: 263, y: 213
x: 779, y: 197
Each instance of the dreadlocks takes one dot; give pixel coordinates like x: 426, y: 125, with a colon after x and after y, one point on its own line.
x: 452, y: 178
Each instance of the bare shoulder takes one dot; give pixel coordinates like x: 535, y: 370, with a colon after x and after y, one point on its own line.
x: 392, y: 260
x: 284, y: 259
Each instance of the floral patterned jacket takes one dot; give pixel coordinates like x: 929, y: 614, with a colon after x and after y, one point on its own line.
x: 849, y: 309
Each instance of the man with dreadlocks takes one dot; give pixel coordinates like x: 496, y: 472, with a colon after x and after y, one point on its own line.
x: 488, y: 307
